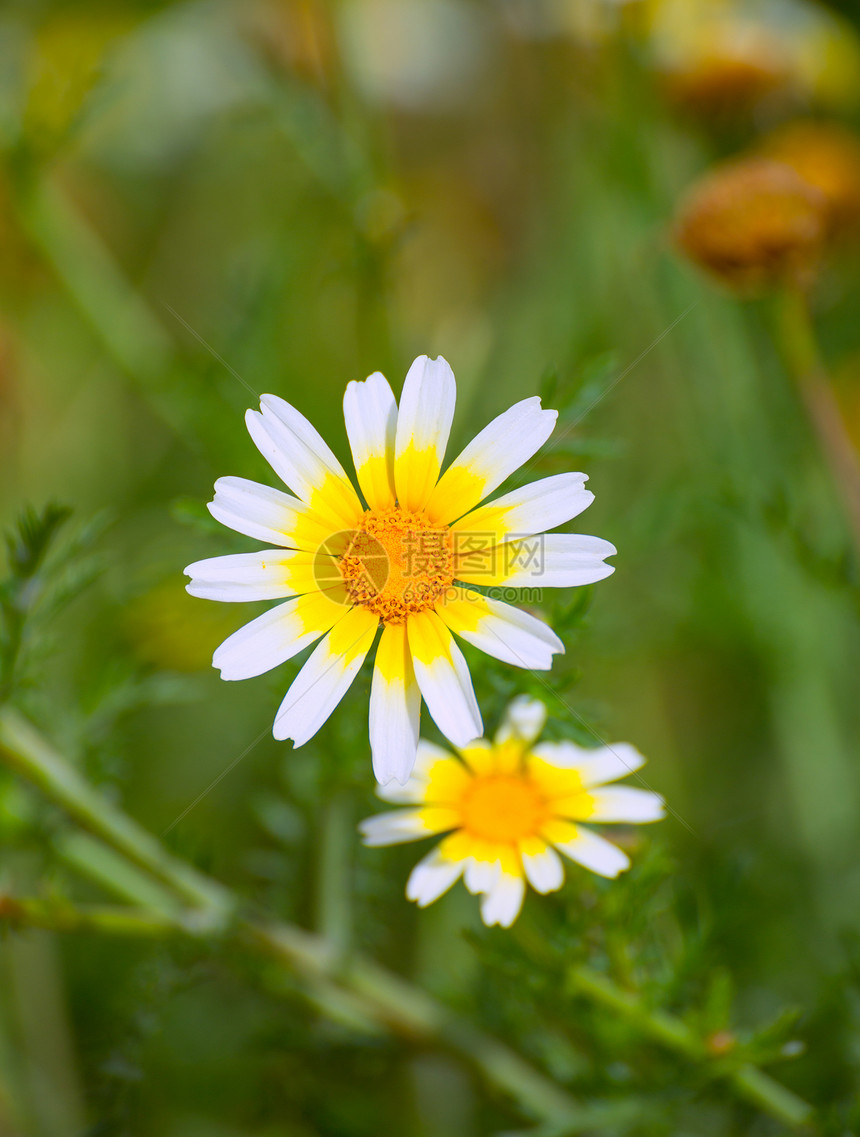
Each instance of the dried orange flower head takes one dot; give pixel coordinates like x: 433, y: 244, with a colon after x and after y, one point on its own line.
x: 827, y: 157
x: 731, y: 57
x: 728, y: 76
x: 753, y: 224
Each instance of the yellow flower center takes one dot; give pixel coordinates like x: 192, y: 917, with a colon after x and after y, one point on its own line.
x: 502, y: 807
x: 397, y: 563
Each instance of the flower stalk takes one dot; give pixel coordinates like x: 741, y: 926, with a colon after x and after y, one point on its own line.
x: 749, y: 1082
x: 24, y: 750
x: 796, y: 335
x: 60, y: 916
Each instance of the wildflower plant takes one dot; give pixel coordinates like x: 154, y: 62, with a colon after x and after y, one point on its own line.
x: 489, y: 792
x: 195, y: 937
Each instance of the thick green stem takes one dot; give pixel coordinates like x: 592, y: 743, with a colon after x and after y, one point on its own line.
x: 750, y: 1083
x: 112, y: 307
x: 333, y: 915
x: 25, y: 750
x: 116, y: 312
x: 796, y: 335
x: 60, y: 916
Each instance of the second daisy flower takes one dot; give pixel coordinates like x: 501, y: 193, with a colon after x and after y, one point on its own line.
x: 509, y: 807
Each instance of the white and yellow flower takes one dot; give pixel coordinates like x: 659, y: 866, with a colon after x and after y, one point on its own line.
x: 508, y: 808
x: 408, y: 559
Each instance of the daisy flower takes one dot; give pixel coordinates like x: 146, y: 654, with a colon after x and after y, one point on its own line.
x: 509, y: 808
x: 406, y: 560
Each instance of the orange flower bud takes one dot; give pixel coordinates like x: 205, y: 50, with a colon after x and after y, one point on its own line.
x: 827, y: 157
x: 732, y: 57
x: 754, y: 224
x: 728, y: 78
x: 721, y: 1042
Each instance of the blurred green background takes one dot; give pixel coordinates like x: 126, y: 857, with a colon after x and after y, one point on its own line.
x: 205, y: 199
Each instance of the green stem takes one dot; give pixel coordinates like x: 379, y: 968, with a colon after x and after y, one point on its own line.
x: 334, y: 871
x: 750, y: 1083
x: 13, y: 618
x: 795, y: 332
x: 89, y: 857
x: 663, y: 1028
x: 119, y: 317
x: 395, y: 1005
x: 770, y: 1096
x: 112, y: 307
x: 24, y: 750
x: 60, y: 916
x: 28, y: 546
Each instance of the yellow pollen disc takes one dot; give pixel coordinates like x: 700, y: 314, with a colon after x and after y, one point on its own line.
x: 397, y: 563
x: 502, y: 808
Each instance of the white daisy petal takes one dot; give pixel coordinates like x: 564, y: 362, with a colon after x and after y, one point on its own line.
x: 544, y: 871
x: 298, y: 455
x: 370, y: 413
x: 414, y: 789
x: 325, y: 677
x: 432, y: 877
x: 625, y: 803
x: 524, y: 719
x: 547, y: 560
x: 444, y: 679
x: 500, y: 448
x: 394, y: 828
x: 276, y: 636
x: 595, y: 853
x: 300, y: 430
x: 481, y: 876
x: 500, y: 629
x: 395, y: 707
x: 534, y: 508
x: 595, y: 767
x: 267, y: 514
x: 423, y: 425
x: 270, y: 574
x: 502, y: 905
